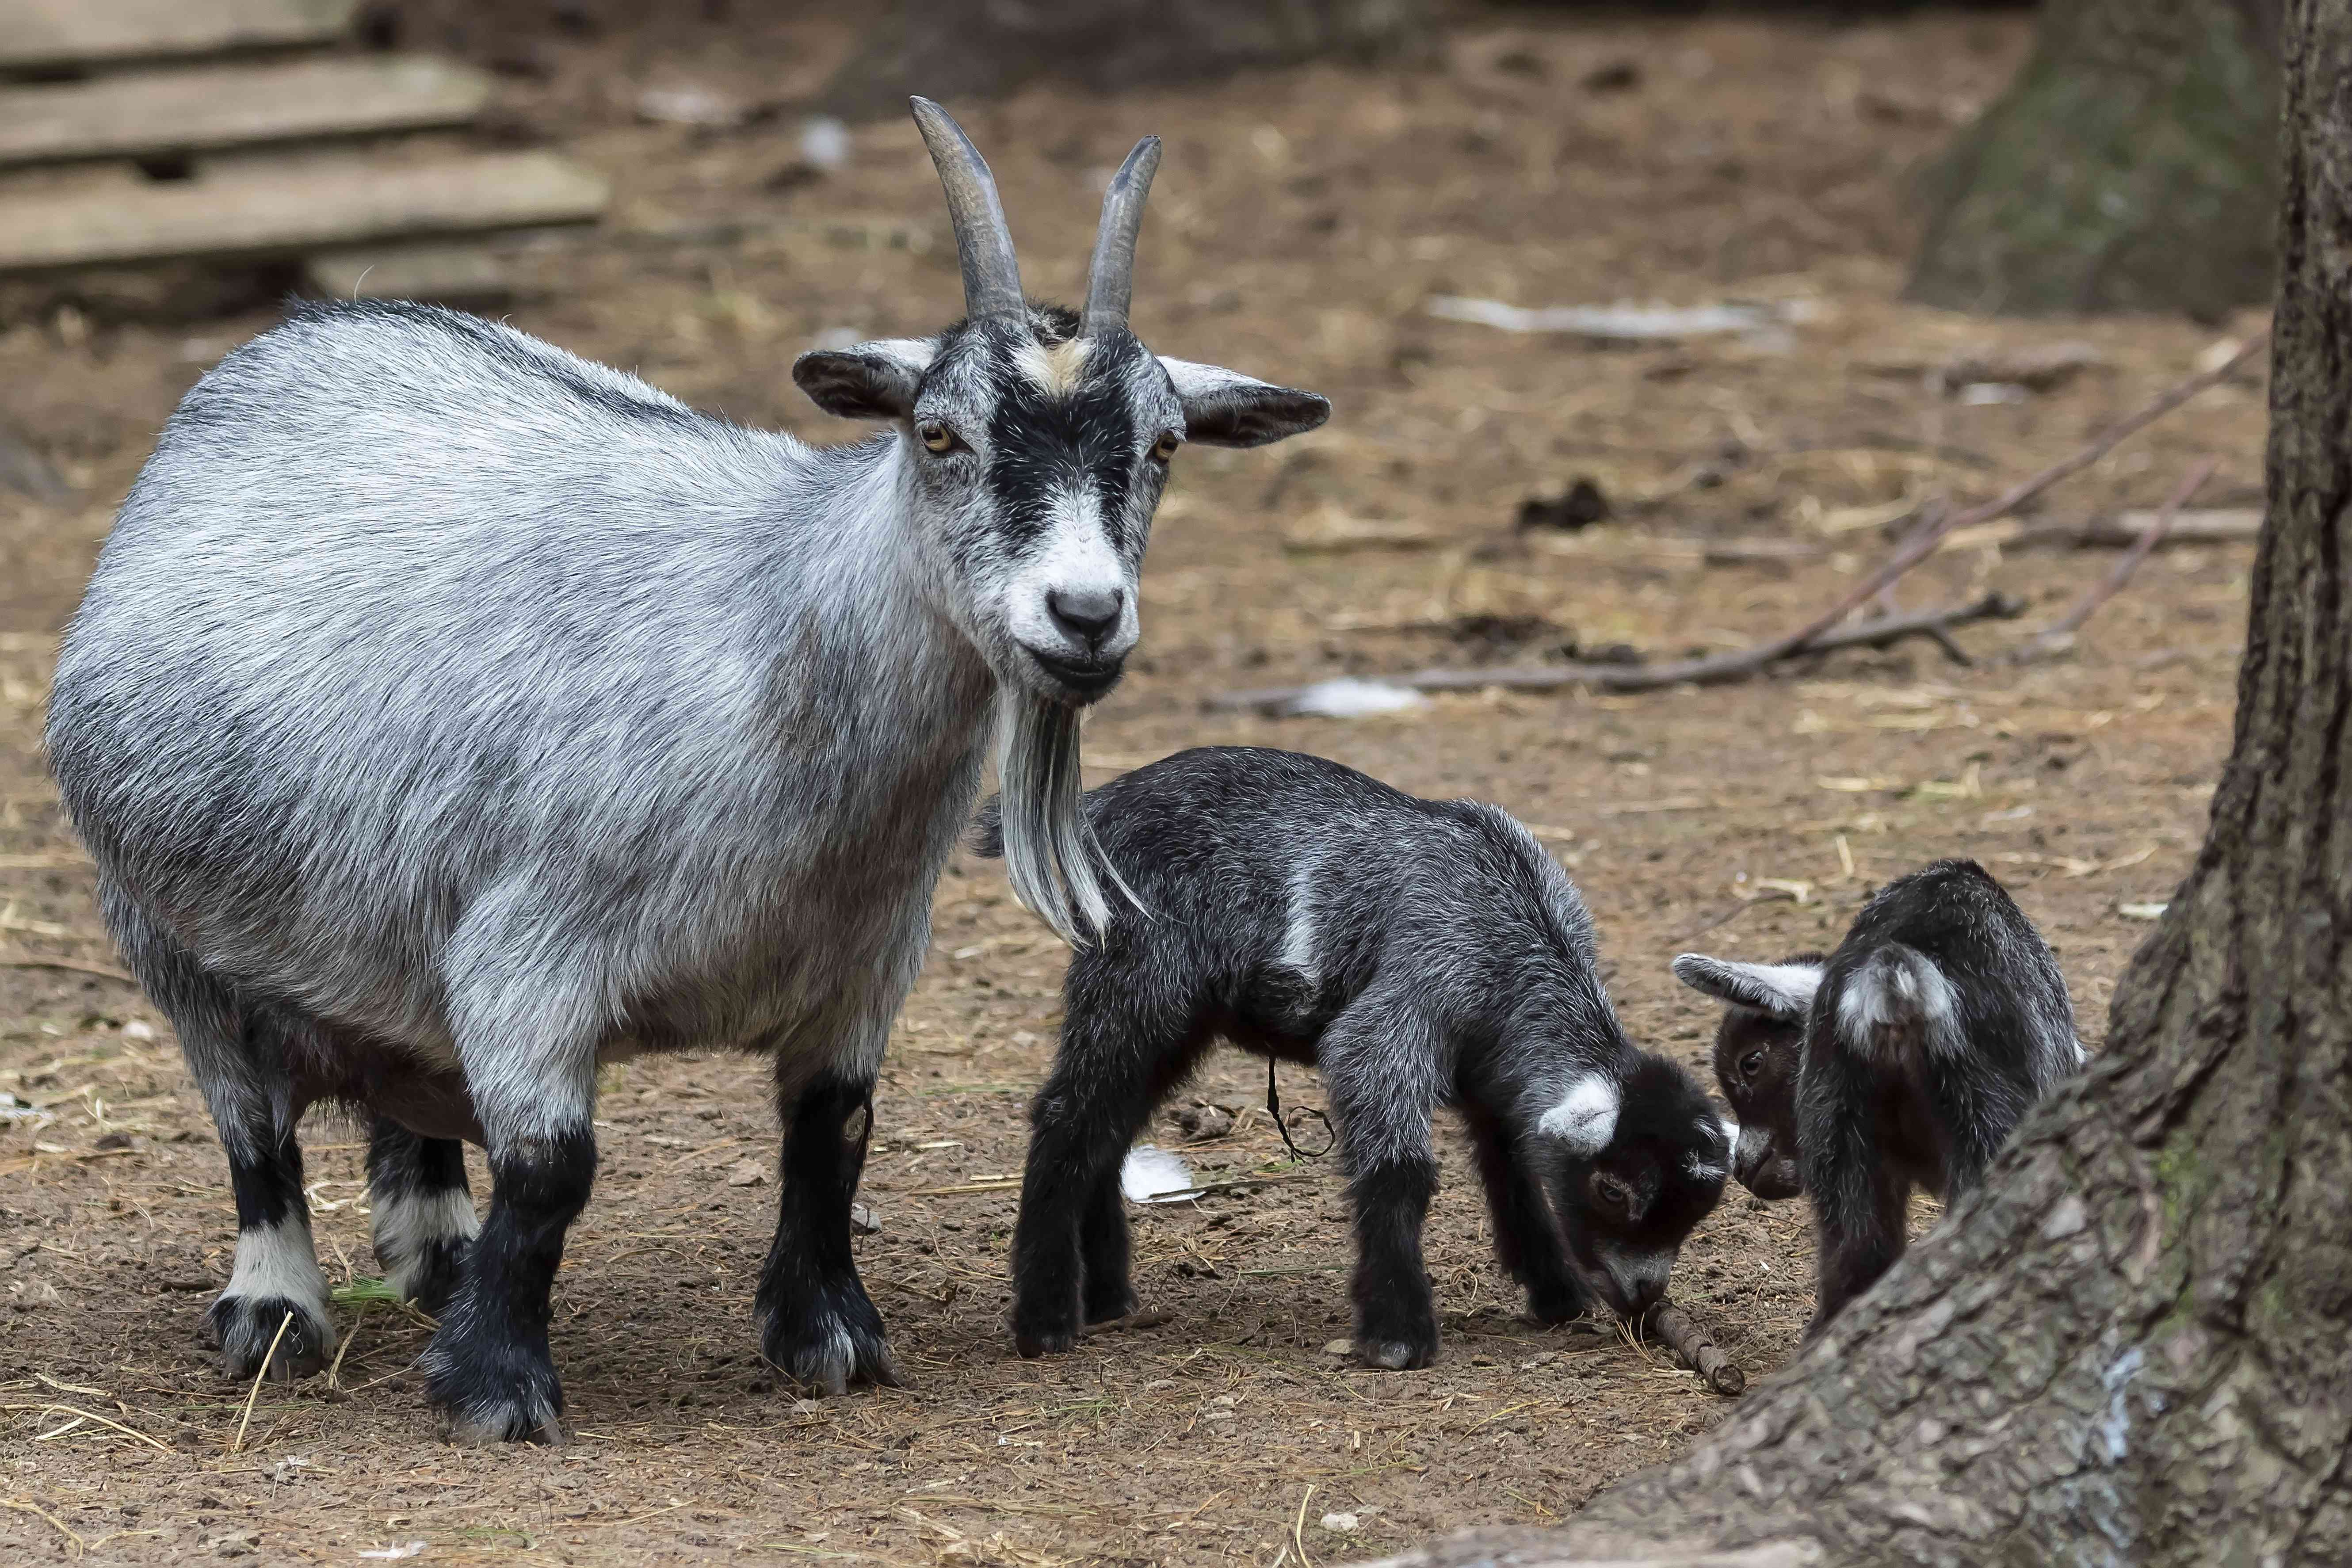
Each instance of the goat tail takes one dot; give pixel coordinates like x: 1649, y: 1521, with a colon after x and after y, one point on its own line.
x: 1894, y: 997
x: 1052, y: 856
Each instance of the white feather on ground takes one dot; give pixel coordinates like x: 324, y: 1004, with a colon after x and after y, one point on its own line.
x: 1153, y: 1175
x: 1348, y: 698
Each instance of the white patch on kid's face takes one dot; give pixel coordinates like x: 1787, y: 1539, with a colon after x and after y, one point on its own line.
x: 1053, y: 368
x: 1586, y: 1117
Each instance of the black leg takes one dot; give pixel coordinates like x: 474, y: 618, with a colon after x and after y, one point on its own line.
x: 1861, y: 1201
x: 1396, y: 1315
x: 1123, y: 1047
x: 1104, y: 1248
x: 819, y: 1327
x: 236, y: 1052
x: 424, y: 1222
x: 277, y: 1285
x: 1379, y: 1063
x: 1526, y: 1235
x: 489, y: 1367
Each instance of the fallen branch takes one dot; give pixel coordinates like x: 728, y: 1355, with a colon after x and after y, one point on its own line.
x: 2059, y: 634
x: 1824, y: 632
x: 1674, y: 1325
x: 1879, y: 632
x: 2229, y: 525
x: 75, y: 964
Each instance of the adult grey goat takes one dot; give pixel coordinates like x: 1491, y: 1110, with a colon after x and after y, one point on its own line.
x: 448, y: 715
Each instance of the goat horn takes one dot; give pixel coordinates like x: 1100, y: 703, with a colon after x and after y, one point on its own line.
x: 991, y: 278
x: 1110, y: 276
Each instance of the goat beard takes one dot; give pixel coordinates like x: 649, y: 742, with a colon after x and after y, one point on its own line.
x: 1056, y: 865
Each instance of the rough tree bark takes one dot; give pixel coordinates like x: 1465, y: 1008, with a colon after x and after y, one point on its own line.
x: 954, y: 49
x: 2129, y: 167
x: 2134, y: 1345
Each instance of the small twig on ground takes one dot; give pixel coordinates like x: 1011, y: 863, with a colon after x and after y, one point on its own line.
x: 2059, y: 635
x: 259, y: 1373
x: 1823, y: 633
x: 1674, y: 1325
x: 1298, y: 1530
x: 75, y: 1543
x: 336, y: 1371
x: 75, y: 964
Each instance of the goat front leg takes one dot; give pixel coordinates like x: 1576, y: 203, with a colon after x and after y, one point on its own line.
x: 819, y: 1328
x: 1380, y: 1064
x: 533, y: 1084
x: 1527, y: 1236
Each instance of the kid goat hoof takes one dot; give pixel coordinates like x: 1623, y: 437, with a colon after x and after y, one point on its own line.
x: 1396, y: 1355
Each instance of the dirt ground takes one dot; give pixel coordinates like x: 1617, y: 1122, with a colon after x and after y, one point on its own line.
x: 1302, y: 222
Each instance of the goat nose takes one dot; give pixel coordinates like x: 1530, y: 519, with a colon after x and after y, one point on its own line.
x: 1088, y: 615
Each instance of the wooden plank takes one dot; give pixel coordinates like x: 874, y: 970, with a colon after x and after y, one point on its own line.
x: 202, y: 109
x: 462, y: 275
x: 51, y: 35
x: 260, y: 210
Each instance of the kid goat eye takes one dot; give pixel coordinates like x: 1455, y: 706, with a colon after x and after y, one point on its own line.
x: 1165, y: 447
x: 937, y: 437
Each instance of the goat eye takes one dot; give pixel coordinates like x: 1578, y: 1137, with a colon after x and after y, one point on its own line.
x: 1165, y: 447
x: 1750, y: 1063
x: 937, y: 437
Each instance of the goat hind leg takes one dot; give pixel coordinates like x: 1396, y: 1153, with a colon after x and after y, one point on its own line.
x: 819, y: 1327
x: 235, y: 1052
x: 425, y: 1221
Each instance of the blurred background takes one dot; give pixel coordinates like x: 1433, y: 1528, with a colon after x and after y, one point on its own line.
x: 1647, y: 327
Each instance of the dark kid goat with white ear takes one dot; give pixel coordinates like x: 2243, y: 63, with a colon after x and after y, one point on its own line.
x: 1904, y: 1058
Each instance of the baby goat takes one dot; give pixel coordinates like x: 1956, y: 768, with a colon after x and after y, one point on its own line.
x: 447, y: 714
x: 1902, y: 1059
x: 1418, y: 952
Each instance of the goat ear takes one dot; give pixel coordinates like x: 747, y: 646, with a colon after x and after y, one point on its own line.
x: 1226, y: 409
x: 870, y: 380
x: 1784, y: 990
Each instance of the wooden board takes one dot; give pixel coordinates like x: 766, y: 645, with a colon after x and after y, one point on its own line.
x: 49, y: 35
x: 261, y: 210
x: 460, y: 274
x: 202, y: 108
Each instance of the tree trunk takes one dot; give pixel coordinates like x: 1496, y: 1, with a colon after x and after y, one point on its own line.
x: 954, y: 49
x: 2134, y: 1344
x: 2129, y: 167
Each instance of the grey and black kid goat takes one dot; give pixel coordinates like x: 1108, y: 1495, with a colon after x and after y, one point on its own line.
x: 1418, y: 953
x: 1904, y: 1058
x: 448, y: 715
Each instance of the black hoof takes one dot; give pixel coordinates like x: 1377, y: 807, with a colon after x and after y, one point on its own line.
x: 1104, y: 1306
x: 1554, y: 1307
x: 1396, y: 1355
x: 244, y: 1327
x: 492, y: 1384
x: 831, y: 1342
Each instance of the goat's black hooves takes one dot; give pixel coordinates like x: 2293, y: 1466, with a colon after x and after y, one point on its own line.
x: 1553, y: 1311
x: 827, y: 1348
x: 244, y: 1327
x: 1034, y: 1342
x: 1108, y: 1307
x: 510, y: 1424
x: 1396, y: 1355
